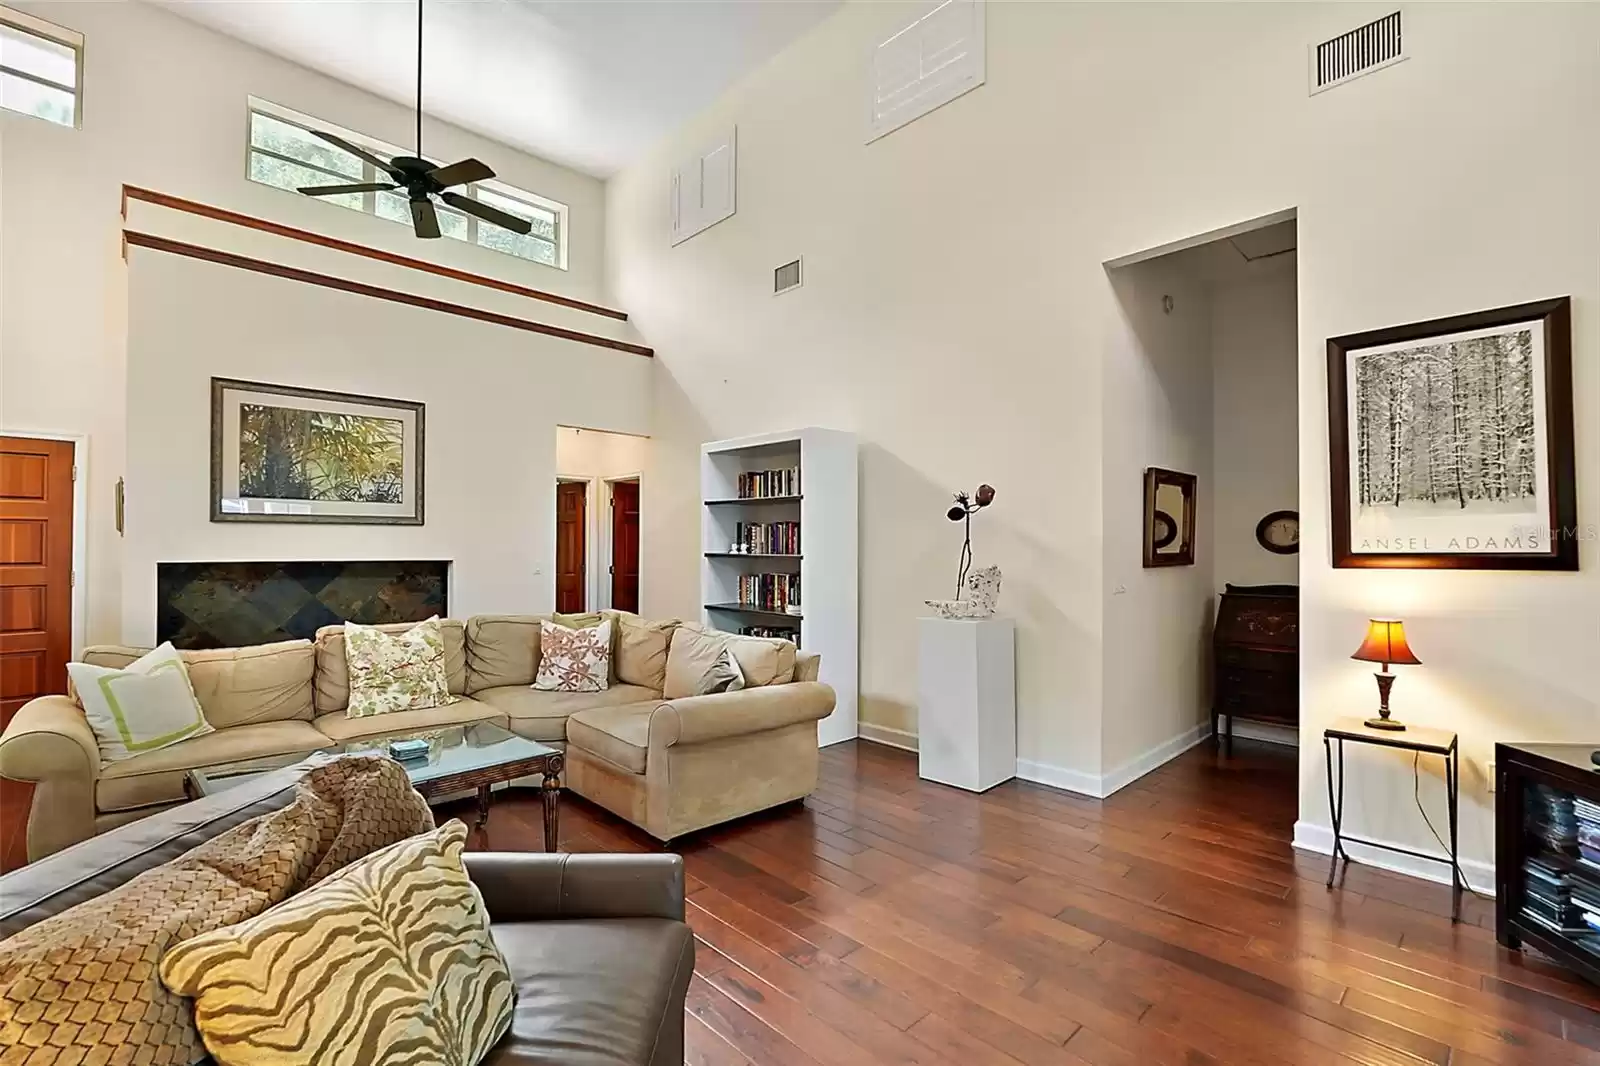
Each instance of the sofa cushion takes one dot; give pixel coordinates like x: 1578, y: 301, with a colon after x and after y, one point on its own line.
x: 543, y: 715
x: 592, y: 991
x: 620, y: 735
x: 342, y: 729
x: 695, y: 651
x: 502, y: 649
x: 389, y: 960
x: 333, y: 669
x: 157, y: 776
x: 395, y: 671
x: 639, y: 650
x: 238, y: 686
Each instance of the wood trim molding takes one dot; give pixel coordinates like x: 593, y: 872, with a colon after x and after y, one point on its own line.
x: 222, y: 214
x: 262, y: 266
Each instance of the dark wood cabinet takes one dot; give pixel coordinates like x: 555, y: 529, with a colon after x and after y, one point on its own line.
x: 1256, y: 656
x: 1546, y: 802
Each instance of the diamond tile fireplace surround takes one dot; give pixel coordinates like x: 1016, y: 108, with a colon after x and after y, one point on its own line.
x: 233, y: 604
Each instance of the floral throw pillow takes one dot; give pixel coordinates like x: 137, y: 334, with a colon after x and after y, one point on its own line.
x: 395, y: 671
x: 574, y: 660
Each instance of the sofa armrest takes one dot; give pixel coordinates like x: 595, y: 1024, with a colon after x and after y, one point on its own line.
x: 49, y: 737
x: 526, y: 887
x: 694, y: 719
x: 49, y: 742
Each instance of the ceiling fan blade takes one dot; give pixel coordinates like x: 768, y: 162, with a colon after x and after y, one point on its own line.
x: 335, y: 190
x: 461, y: 173
x: 487, y: 213
x: 424, y: 219
x: 355, y: 150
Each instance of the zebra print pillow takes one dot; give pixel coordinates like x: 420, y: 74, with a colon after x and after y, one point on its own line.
x: 388, y: 960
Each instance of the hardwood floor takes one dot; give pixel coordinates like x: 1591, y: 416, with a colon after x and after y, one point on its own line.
x: 888, y: 920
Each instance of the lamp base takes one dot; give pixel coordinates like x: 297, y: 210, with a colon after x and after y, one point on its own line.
x: 1386, y: 723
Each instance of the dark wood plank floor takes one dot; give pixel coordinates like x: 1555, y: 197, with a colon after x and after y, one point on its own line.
x: 888, y: 920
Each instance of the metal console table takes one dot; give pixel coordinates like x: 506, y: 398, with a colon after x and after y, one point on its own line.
x: 1412, y: 738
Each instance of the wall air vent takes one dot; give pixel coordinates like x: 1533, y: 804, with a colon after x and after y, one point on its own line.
x: 786, y: 277
x: 1363, y: 50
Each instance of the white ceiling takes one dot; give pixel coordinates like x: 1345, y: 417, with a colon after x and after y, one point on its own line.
x: 587, y: 83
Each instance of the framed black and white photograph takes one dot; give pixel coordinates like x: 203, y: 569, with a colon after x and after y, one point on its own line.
x: 1452, y: 442
x: 284, y: 454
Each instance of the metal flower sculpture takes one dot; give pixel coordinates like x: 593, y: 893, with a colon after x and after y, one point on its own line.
x: 962, y: 511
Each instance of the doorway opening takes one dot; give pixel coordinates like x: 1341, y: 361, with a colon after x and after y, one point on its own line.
x: 597, y: 536
x: 1204, y: 382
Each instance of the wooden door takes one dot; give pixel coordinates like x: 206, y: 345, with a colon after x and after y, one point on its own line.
x: 625, y: 546
x: 35, y: 598
x: 571, y: 546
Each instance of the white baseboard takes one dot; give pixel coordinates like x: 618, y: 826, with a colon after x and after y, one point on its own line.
x: 1319, y: 839
x: 903, y: 739
x: 1043, y: 773
x: 1097, y: 785
x: 1164, y: 752
x: 1268, y: 733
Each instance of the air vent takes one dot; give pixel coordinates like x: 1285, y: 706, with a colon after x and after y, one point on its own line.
x: 1363, y: 50
x: 786, y: 277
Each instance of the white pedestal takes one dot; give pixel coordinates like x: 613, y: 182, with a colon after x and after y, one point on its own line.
x: 966, y: 702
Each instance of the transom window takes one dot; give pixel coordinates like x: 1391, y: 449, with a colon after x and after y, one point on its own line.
x: 286, y: 155
x: 41, y: 67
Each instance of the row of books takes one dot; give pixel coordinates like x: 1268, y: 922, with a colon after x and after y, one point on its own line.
x: 771, y: 631
x: 761, y: 484
x: 769, y: 538
x: 770, y: 592
x: 1561, y: 889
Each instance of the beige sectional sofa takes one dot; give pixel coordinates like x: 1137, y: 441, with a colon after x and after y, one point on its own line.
x: 668, y: 766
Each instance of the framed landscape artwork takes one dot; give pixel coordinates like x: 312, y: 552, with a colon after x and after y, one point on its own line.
x: 282, y: 454
x: 1452, y: 442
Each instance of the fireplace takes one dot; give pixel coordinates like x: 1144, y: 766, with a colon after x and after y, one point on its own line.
x: 223, y: 605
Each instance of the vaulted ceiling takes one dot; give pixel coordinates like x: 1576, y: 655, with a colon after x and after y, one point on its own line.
x: 587, y: 83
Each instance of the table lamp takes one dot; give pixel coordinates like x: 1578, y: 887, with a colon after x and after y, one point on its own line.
x: 1385, y: 643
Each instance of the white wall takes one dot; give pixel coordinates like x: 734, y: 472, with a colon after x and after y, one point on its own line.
x: 1256, y: 456
x: 1157, y: 404
x: 599, y: 458
x: 956, y: 316
x: 494, y: 397
x: 164, y: 105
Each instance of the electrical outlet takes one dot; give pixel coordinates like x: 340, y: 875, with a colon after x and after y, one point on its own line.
x: 1489, y: 766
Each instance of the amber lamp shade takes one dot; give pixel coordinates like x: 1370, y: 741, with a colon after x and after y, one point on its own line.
x: 1386, y: 644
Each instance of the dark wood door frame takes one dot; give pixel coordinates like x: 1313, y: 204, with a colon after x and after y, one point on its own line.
x: 40, y: 512
x: 572, y: 554
x: 624, y: 524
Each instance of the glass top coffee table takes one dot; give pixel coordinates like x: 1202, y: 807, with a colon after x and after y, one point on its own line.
x: 459, y: 759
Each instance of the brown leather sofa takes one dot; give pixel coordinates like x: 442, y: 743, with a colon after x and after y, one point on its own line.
x: 597, y: 943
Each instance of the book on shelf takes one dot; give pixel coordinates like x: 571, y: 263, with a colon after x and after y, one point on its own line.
x: 763, y: 484
x: 769, y: 592
x: 777, y: 632
x: 768, y: 538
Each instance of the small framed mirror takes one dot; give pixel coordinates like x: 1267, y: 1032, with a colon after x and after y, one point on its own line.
x: 1169, y: 507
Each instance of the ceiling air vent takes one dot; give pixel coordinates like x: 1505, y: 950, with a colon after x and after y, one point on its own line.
x: 1363, y: 50
x: 786, y: 277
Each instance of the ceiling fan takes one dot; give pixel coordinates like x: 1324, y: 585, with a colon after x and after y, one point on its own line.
x: 421, y: 179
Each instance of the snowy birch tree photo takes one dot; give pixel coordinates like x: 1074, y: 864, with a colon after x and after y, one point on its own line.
x: 1447, y: 427
x: 1452, y: 442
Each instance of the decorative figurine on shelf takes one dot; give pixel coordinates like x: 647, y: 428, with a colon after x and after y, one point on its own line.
x: 982, y: 590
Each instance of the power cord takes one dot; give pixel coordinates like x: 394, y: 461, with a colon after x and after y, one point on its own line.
x: 1416, y: 794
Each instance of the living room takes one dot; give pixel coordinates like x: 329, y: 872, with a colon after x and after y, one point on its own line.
x: 738, y: 267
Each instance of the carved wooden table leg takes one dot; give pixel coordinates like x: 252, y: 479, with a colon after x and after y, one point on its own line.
x: 552, y: 797
x: 483, y: 805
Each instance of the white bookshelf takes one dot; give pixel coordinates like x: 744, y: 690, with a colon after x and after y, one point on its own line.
x: 825, y: 507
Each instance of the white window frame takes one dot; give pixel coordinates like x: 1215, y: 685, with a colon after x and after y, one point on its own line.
x: 370, y: 173
x: 49, y: 31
